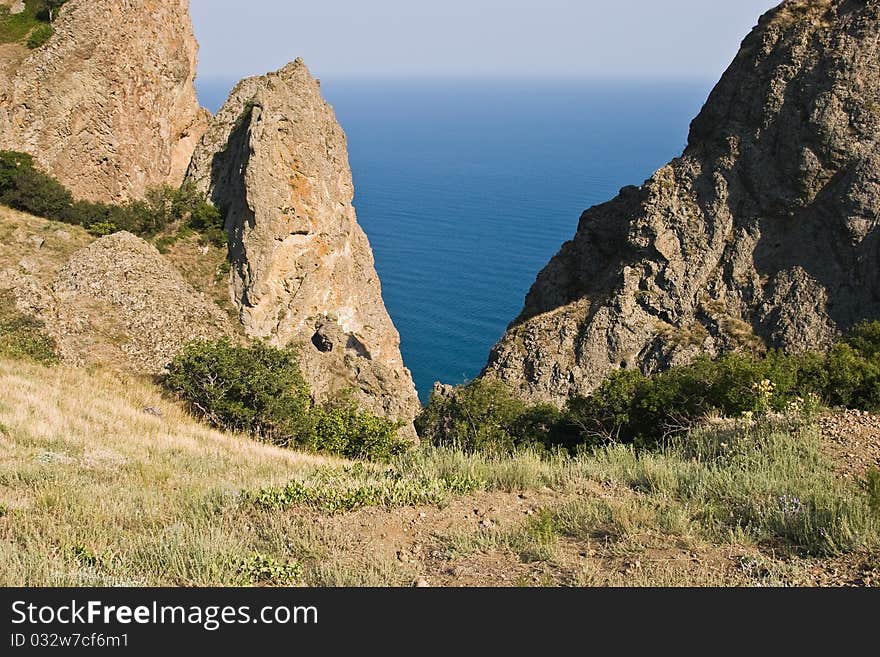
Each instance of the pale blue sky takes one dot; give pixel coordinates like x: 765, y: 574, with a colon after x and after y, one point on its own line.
x: 474, y: 38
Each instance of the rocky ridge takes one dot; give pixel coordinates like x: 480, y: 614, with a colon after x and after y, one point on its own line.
x: 274, y: 161
x: 108, y: 106
x: 764, y: 233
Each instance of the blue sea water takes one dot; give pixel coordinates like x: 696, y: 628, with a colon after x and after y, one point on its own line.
x: 467, y: 188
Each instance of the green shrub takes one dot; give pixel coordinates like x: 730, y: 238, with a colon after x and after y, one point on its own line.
x: 24, y: 187
x: 481, y: 416
x: 260, y: 390
x: 39, y: 36
x: 256, y: 389
x: 199, y: 215
x: 355, y: 434
x: 629, y: 407
x: 22, y: 337
x: 853, y: 369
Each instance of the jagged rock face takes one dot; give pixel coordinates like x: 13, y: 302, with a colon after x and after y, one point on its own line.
x: 274, y: 161
x: 108, y: 105
x: 763, y: 234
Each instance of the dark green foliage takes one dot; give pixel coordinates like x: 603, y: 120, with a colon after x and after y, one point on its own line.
x: 633, y: 408
x: 39, y: 36
x: 260, y: 390
x: 854, y: 369
x: 347, y: 431
x: 21, y: 336
x: 256, y: 389
x: 26, y: 188
x: 199, y: 215
x: 485, y: 416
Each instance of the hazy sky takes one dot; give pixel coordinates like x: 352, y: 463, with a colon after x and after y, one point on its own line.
x: 476, y: 38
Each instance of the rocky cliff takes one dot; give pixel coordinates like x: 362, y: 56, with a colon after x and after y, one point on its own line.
x: 108, y: 105
x: 274, y: 161
x: 764, y: 233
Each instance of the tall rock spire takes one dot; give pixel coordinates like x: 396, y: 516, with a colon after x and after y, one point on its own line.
x: 275, y: 163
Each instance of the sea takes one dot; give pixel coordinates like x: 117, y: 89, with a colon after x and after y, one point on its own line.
x: 466, y: 188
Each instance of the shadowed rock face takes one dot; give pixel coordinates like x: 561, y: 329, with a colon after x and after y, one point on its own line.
x: 764, y: 233
x: 274, y: 161
x: 108, y: 106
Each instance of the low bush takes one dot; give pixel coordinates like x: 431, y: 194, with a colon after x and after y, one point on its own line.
x: 255, y: 389
x: 24, y: 187
x: 259, y: 389
x: 22, y: 337
x: 39, y: 36
x: 630, y: 407
x: 481, y: 416
x: 355, y: 434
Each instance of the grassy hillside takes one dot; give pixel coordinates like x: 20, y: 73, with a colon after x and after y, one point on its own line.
x: 105, y: 482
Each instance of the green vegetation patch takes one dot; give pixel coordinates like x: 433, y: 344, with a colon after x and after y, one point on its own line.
x: 764, y: 484
x: 336, y: 490
x: 40, y: 36
x: 22, y: 337
x: 25, y: 187
x: 36, y: 18
x: 259, y: 389
x: 630, y: 407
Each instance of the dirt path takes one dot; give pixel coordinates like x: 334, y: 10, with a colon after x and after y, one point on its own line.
x: 852, y: 439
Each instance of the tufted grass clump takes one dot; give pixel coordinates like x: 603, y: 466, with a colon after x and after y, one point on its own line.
x: 40, y: 36
x: 22, y: 337
x: 265, y: 570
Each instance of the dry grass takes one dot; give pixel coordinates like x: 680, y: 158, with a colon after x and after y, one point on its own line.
x: 86, y: 470
x: 38, y: 245
x: 105, y: 482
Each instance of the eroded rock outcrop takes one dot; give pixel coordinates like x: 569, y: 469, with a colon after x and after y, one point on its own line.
x: 274, y: 161
x: 108, y: 106
x: 764, y: 233
x: 120, y: 303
